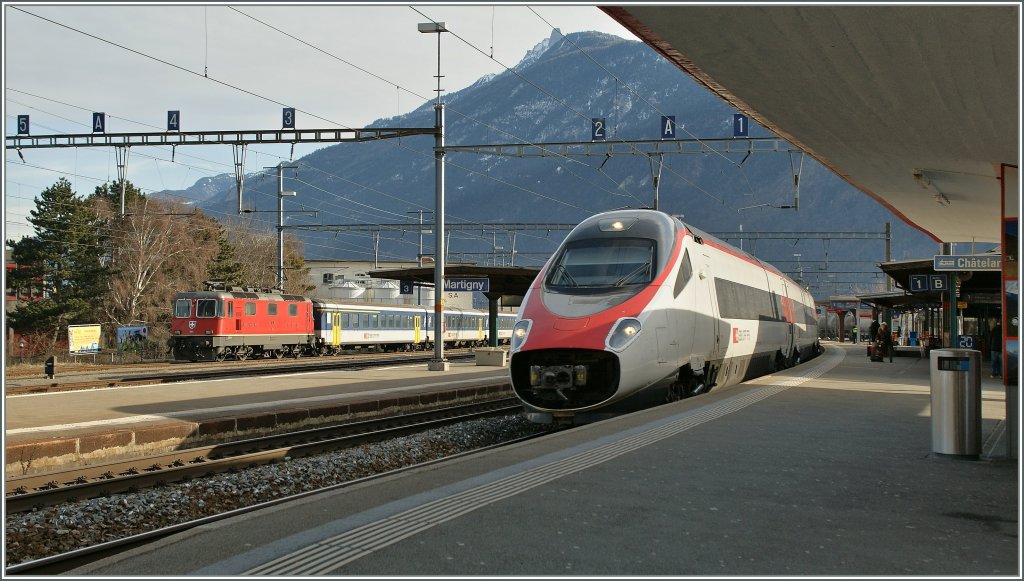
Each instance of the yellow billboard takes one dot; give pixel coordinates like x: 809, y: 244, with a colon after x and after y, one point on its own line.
x: 83, y: 339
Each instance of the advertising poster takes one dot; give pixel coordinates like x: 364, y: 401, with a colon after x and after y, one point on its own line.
x: 129, y: 337
x: 83, y: 339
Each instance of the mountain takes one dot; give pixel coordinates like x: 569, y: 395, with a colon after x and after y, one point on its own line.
x: 551, y: 96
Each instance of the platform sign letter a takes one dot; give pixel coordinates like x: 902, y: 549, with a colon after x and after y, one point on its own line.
x: 668, y: 127
x: 288, y: 118
x: 22, y: 124
x: 99, y: 124
x: 739, y: 125
x: 174, y: 120
x: 598, y: 129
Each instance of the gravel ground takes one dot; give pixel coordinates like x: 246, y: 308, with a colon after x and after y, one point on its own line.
x: 59, y: 529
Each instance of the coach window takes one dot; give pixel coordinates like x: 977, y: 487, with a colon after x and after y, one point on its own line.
x: 272, y: 309
x: 231, y: 309
x: 374, y: 323
x: 293, y: 310
x: 250, y: 309
x: 182, y: 308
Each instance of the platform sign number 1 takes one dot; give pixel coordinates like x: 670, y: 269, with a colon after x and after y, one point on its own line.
x: 739, y: 125
x: 597, y: 129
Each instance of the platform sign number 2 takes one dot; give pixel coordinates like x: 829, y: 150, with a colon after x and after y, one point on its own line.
x: 598, y: 129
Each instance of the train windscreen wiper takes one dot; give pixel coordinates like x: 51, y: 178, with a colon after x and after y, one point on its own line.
x: 643, y: 268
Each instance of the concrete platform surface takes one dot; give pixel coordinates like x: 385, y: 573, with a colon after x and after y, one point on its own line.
x: 48, y: 431
x: 825, y: 469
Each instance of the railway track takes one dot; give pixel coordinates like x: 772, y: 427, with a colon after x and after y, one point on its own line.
x: 66, y: 561
x: 176, y: 373
x: 34, y: 491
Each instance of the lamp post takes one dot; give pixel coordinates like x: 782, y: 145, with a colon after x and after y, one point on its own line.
x: 439, y: 363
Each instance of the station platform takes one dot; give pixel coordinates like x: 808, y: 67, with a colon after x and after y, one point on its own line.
x: 824, y: 469
x: 51, y: 431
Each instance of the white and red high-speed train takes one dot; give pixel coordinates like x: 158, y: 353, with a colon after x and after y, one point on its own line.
x: 634, y: 299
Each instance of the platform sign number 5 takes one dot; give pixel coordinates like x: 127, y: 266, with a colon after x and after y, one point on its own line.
x: 22, y: 124
x: 597, y: 129
x: 739, y: 125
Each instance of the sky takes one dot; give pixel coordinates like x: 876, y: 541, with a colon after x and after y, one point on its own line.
x: 235, y: 67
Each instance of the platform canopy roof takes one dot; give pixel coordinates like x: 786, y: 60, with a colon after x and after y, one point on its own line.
x: 916, y: 105
x: 510, y: 281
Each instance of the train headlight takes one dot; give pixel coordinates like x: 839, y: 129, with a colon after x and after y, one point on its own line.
x: 623, y: 333
x: 519, y: 333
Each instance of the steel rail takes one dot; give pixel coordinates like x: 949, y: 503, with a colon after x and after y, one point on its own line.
x: 39, y: 490
x: 275, y: 366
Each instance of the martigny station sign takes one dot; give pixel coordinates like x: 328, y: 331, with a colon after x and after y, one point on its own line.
x: 968, y: 262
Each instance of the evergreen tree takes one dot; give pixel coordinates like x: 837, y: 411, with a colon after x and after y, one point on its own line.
x: 225, y: 267
x: 111, y: 193
x: 65, y: 254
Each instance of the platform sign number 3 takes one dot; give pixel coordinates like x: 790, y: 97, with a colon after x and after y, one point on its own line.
x: 740, y: 126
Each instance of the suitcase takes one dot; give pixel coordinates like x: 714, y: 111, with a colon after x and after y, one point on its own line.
x: 876, y: 353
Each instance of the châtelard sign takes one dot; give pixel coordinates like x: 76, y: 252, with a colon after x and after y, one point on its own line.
x: 968, y: 262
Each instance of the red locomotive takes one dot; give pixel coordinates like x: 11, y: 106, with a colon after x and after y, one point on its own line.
x: 240, y: 323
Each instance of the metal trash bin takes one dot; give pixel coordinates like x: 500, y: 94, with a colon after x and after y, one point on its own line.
x: 956, y: 402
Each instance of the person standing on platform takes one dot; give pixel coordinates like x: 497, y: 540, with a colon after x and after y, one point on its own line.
x: 884, y: 341
x: 996, y: 348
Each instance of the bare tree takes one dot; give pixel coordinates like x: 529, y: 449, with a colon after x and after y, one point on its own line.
x: 257, y: 244
x: 152, y: 237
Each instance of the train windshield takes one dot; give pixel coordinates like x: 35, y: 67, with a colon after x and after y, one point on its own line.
x: 209, y: 308
x: 182, y: 308
x: 601, y: 265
